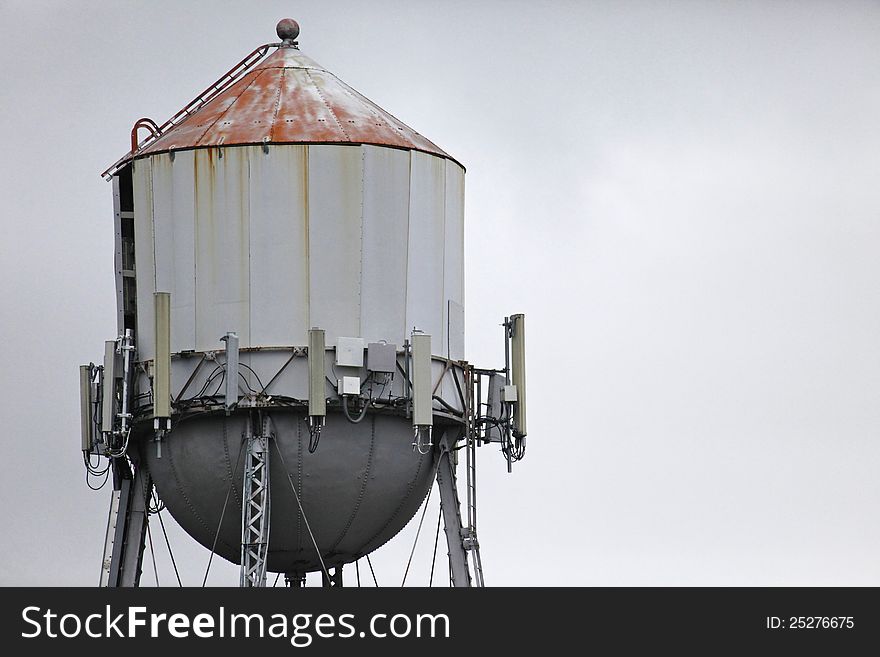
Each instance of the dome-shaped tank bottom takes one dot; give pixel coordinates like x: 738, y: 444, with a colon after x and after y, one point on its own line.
x: 361, y: 486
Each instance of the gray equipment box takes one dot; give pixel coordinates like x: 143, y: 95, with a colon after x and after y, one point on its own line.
x: 350, y: 352
x: 381, y: 357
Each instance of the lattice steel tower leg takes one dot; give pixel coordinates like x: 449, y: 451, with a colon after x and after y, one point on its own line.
x: 471, y: 435
x: 459, y: 539
x: 127, y: 526
x: 469, y: 533
x: 255, y: 503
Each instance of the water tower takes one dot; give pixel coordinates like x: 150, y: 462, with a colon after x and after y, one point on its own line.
x: 289, y: 376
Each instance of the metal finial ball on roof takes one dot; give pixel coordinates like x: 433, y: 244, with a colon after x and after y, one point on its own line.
x: 287, y: 29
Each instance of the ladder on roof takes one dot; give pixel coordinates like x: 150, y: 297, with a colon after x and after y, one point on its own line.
x: 156, y: 131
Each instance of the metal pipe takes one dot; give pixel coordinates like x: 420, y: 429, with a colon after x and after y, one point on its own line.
x: 478, y: 407
x: 406, y: 384
x: 126, y: 346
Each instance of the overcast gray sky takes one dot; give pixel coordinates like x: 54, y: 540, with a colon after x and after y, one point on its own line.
x: 683, y: 197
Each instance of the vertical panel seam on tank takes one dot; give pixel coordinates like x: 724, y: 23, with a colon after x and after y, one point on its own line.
x: 195, y: 253
x: 246, y: 210
x: 411, y: 485
x: 160, y: 226
x: 363, y: 229
x: 461, y: 242
x: 244, y: 180
x: 229, y: 466
x: 308, y: 234
x: 185, y: 497
x: 117, y: 255
x: 171, y: 215
x: 360, y: 277
x: 300, y: 505
x: 245, y: 205
x: 148, y: 190
x: 406, y: 255
x: 444, y: 303
x: 153, y: 233
x: 367, y: 472
x: 191, y: 342
x: 170, y: 230
x: 246, y: 220
x: 269, y: 137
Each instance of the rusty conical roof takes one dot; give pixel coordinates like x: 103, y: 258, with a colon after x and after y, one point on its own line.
x: 288, y: 99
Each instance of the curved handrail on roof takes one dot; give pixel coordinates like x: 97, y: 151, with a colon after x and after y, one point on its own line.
x: 190, y: 108
x: 150, y: 125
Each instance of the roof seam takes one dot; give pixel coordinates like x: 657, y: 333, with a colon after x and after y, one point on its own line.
x: 376, y: 111
x: 366, y: 100
x: 231, y: 105
x: 327, y: 105
x: 277, y: 104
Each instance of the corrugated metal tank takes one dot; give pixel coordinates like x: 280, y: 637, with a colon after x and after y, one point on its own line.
x: 359, y: 240
x: 290, y: 201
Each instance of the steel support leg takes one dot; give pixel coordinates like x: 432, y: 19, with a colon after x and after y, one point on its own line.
x: 107, y: 563
x: 126, y: 528
x: 469, y: 534
x: 295, y: 580
x: 255, y: 507
x: 458, y: 564
x: 335, y: 580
